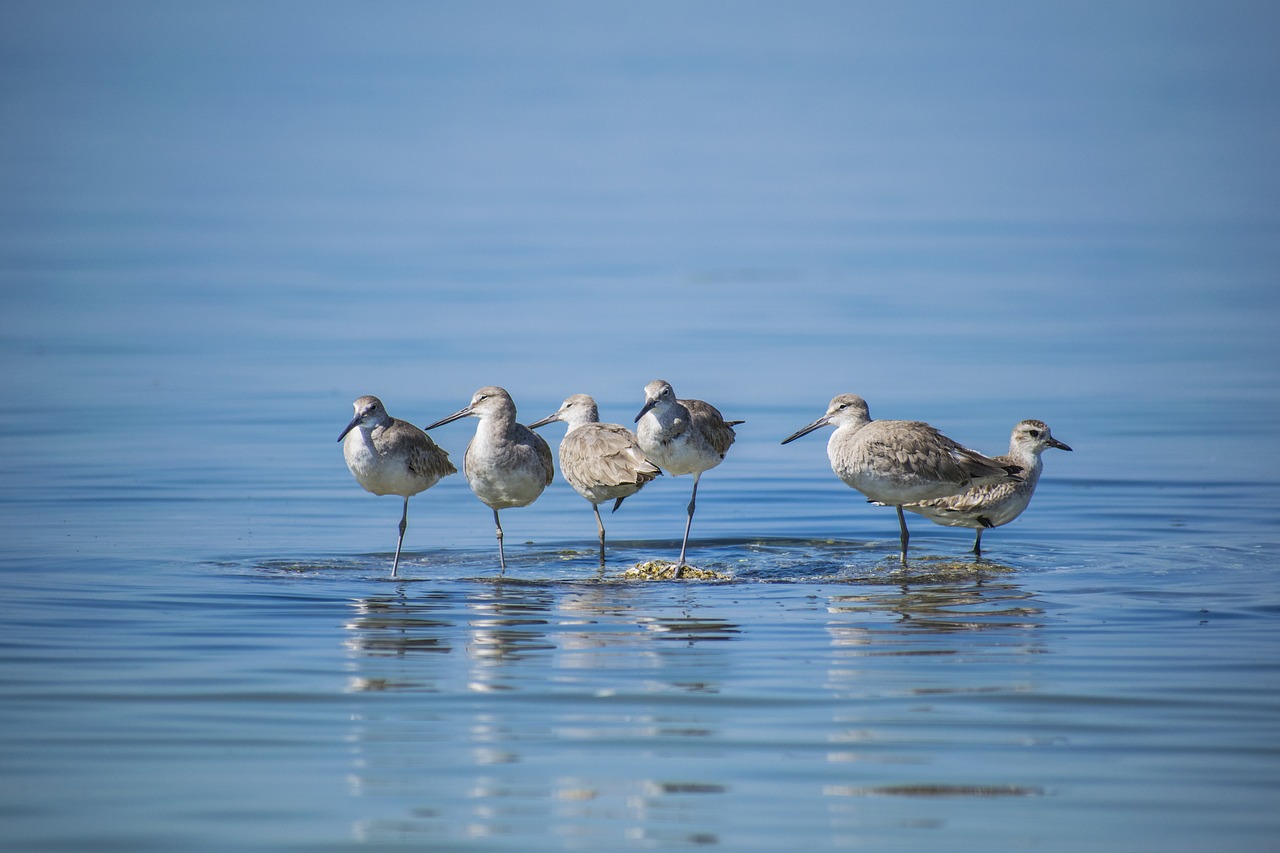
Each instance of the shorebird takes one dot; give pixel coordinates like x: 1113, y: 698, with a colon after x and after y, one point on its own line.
x: 603, y: 462
x: 682, y: 437
x: 506, y: 464
x: 994, y: 505
x: 900, y: 462
x: 389, y: 456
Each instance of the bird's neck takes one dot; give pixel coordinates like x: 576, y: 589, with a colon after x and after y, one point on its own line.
x: 495, y: 427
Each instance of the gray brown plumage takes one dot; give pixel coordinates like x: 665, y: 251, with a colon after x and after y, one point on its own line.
x: 682, y: 437
x: 603, y: 462
x: 899, y: 462
x: 996, y: 504
x: 506, y: 464
x: 388, y: 456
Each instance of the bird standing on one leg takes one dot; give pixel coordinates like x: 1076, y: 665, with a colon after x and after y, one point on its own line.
x: 900, y: 462
x: 996, y: 504
x: 389, y: 456
x: 506, y: 464
x: 603, y: 462
x: 682, y: 437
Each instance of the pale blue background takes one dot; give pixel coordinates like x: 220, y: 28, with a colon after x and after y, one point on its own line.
x: 222, y: 222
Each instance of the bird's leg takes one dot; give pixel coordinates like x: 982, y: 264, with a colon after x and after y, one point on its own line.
x: 902, y: 524
x: 502, y: 559
x: 404, y: 524
x: 977, y: 543
x: 693, y: 501
x: 599, y: 527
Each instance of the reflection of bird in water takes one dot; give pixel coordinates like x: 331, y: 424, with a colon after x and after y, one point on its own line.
x: 996, y: 504
x: 900, y: 462
x: 506, y: 464
x: 603, y: 462
x: 394, y: 626
x: 945, y: 608
x: 389, y: 456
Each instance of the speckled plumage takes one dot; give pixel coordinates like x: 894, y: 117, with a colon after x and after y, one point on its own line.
x: 603, y: 462
x: 900, y: 462
x: 388, y: 456
x: 506, y: 464
x: 996, y: 504
x: 682, y: 437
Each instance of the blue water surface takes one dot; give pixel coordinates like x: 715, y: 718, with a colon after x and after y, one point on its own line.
x: 222, y: 223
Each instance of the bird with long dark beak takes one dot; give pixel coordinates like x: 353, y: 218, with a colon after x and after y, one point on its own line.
x: 682, y: 437
x: 506, y: 464
x: 388, y: 456
x: 900, y: 462
x: 603, y: 462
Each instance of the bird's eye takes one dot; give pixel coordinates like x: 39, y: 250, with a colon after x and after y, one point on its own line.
x: 1035, y: 433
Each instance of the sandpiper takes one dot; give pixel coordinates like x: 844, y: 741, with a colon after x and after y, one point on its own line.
x: 603, y: 462
x: 996, y: 504
x: 506, y: 464
x: 389, y: 456
x: 901, y: 462
x: 682, y: 437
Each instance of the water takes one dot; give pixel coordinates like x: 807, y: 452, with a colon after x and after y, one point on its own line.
x: 222, y: 224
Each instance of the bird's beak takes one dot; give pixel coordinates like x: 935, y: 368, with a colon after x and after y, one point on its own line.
x: 820, y: 422
x: 548, y: 419
x: 354, y: 423
x: 1053, y: 442
x: 461, y: 413
x: 648, y: 404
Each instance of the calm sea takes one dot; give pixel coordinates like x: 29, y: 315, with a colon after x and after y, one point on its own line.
x: 222, y: 223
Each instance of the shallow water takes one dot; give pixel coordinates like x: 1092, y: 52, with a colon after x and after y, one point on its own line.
x: 224, y: 224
